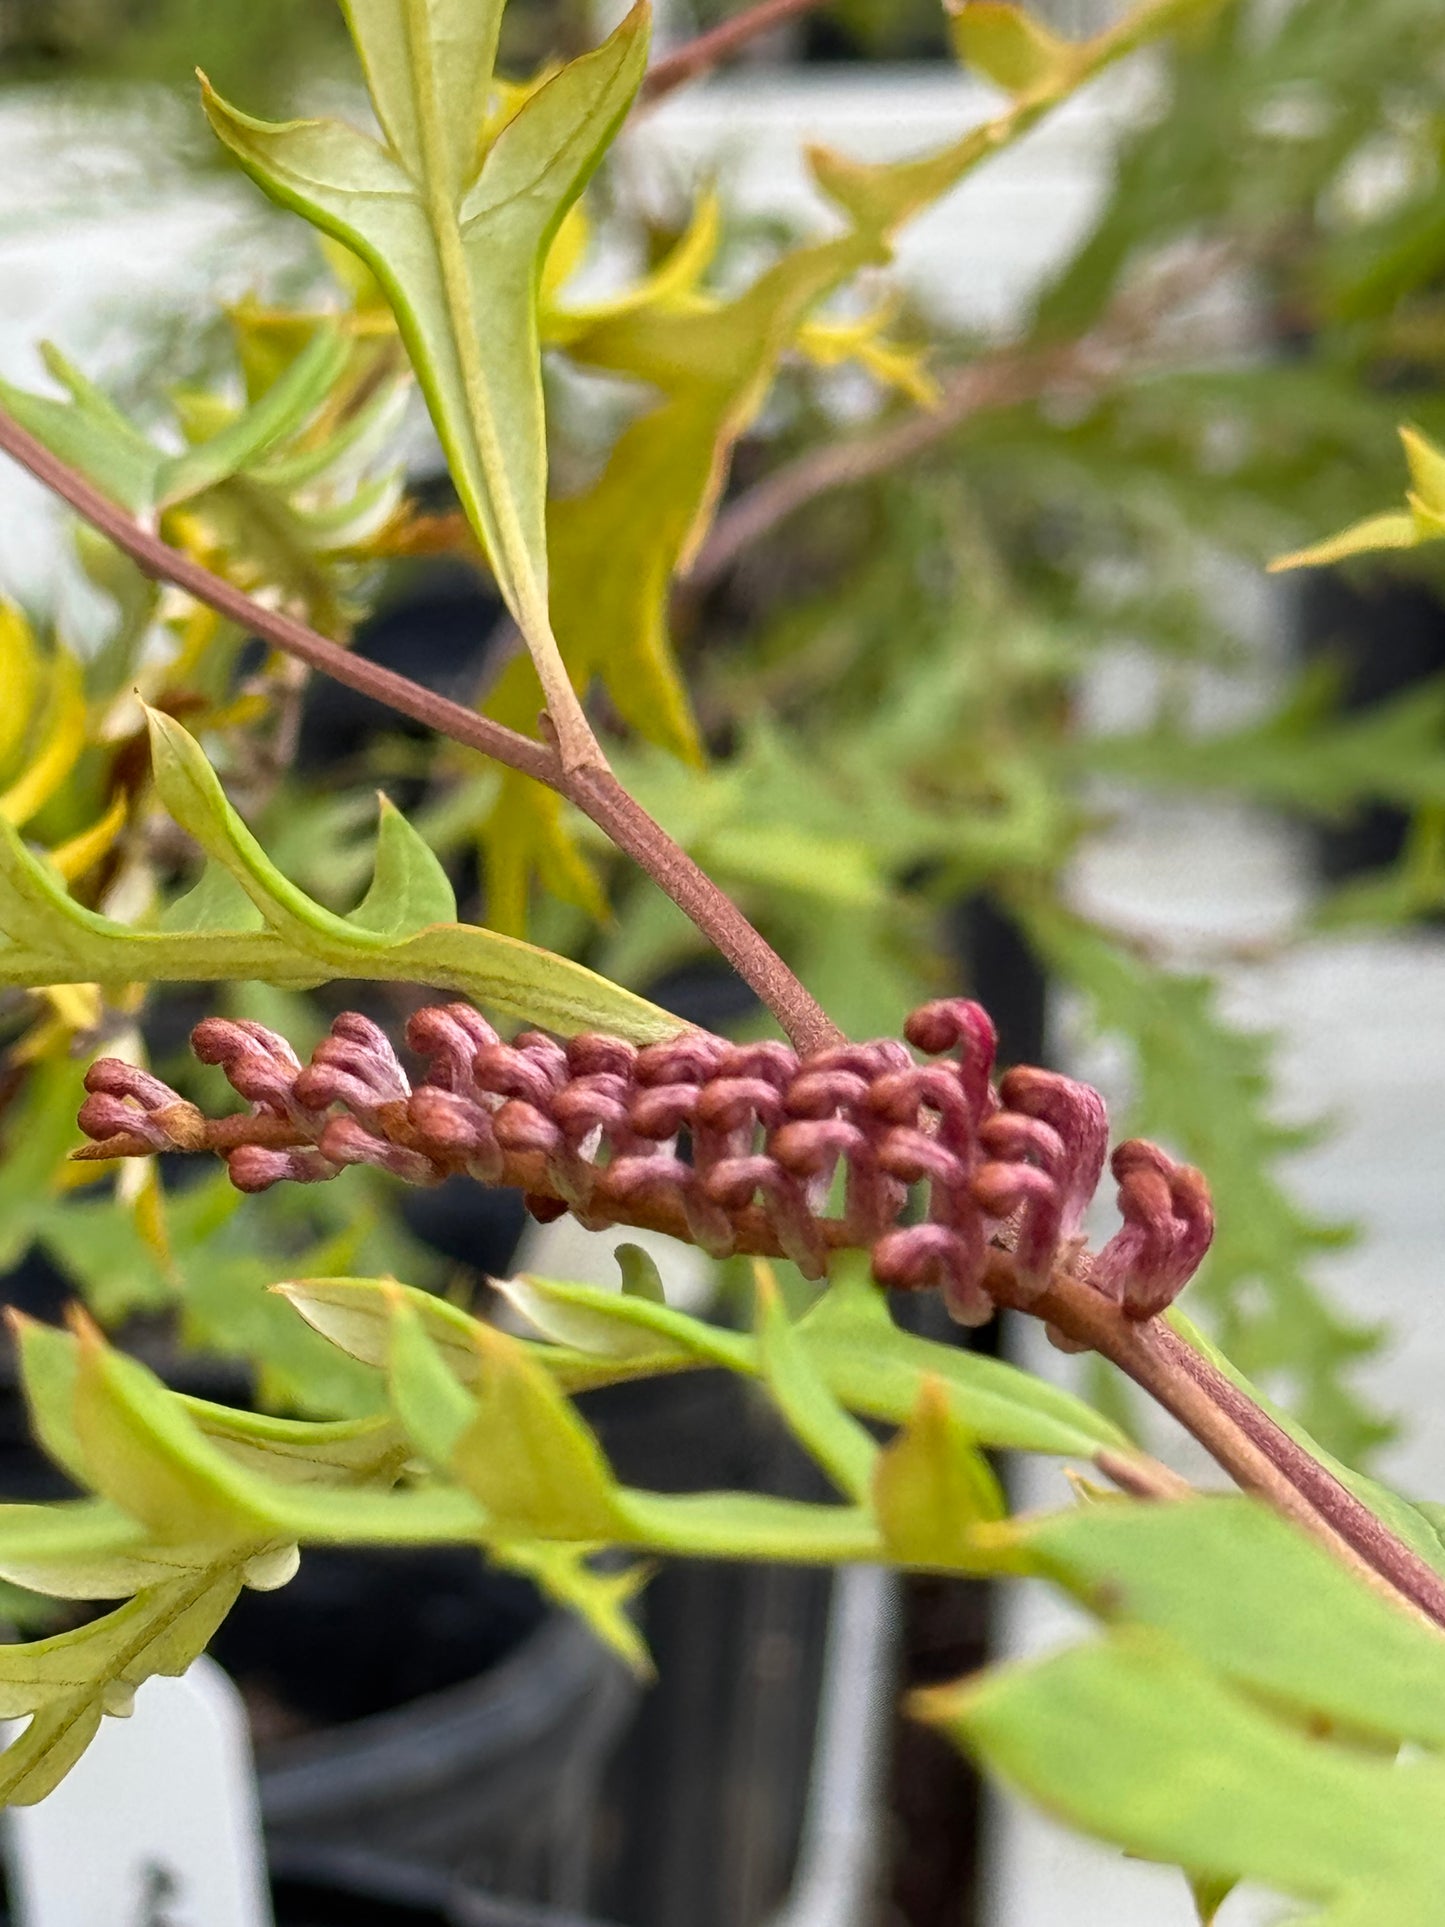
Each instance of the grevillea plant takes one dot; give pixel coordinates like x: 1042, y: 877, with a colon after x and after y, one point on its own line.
x: 1260, y: 1659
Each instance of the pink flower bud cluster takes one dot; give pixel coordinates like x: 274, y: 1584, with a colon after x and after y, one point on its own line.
x: 744, y: 1146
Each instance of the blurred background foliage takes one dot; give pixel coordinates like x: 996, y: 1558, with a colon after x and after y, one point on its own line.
x: 886, y: 681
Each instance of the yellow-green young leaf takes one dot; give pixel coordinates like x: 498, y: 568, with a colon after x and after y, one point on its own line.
x: 456, y: 229
x: 1395, y: 529
x: 612, y: 570
x: 811, y: 1411
x: 1422, y: 520
x: 365, y: 1451
x: 877, y: 1371
x: 879, y: 196
x: 59, y: 741
x: 932, y: 1486
x: 621, y: 1325
x: 529, y: 1458
x: 1008, y: 46
x: 68, y: 1683
x: 1131, y: 1739
x: 87, y: 1549
x: 409, y: 887
x: 20, y: 679
x: 144, y: 1453
x: 425, y: 1388
x: 1426, y: 464
x: 602, y: 1599
x: 359, y: 1316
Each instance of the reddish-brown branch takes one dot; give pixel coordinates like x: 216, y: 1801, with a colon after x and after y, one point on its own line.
x: 594, y: 792
x: 1238, y: 1435
x: 711, y: 49
x: 1005, y: 378
x: 999, y: 381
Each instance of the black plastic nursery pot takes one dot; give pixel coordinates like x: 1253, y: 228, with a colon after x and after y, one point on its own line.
x: 1384, y: 634
x: 450, y: 1719
x: 702, y: 1804
x: 370, y: 1890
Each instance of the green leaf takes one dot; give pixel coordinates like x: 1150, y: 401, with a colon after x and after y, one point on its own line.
x: 359, y: 1315
x: 456, y: 230
x: 1257, y: 1602
x: 192, y: 793
x: 528, y: 1457
x: 808, y: 1407
x: 620, y: 1325
x: 426, y: 1387
x: 302, y: 1452
x: 409, y: 887
x: 69, y: 1682
x: 878, y: 1371
x: 1408, y: 1521
x: 1209, y: 1895
x: 1011, y: 48
x: 41, y: 1132
x: 284, y: 408
x: 602, y: 1598
x: 1303, y: 756
x: 88, y: 1549
x: 932, y: 1486
x: 54, y: 939
x: 215, y: 901
x: 89, y: 434
x: 141, y: 1450
x: 640, y: 1275
x: 1133, y: 1740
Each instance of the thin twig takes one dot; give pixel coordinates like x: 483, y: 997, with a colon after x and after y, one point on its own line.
x: 1003, y: 379
x: 709, y: 50
x: 999, y: 381
x: 595, y: 792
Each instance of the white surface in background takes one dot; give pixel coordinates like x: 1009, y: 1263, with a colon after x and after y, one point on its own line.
x: 979, y: 254
x: 565, y: 1252
x: 99, y: 234
x: 157, y: 1826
